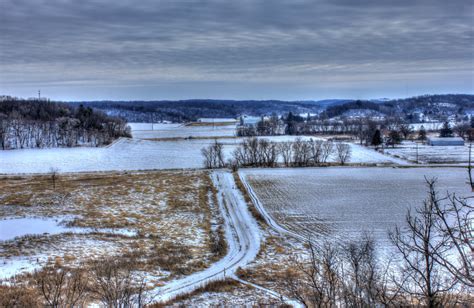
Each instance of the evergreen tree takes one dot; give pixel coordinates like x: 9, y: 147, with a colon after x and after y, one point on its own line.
x: 446, y: 131
x: 422, y: 133
x: 376, y: 138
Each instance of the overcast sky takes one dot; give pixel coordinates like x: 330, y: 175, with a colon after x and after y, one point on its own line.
x: 290, y: 50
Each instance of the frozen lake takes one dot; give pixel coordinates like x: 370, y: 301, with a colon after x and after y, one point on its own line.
x: 18, y: 227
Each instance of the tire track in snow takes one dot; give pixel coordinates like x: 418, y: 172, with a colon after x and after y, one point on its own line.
x: 242, y: 235
x: 268, y: 218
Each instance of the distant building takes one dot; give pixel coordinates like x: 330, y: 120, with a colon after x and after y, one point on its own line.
x: 249, y: 120
x: 446, y: 141
x: 217, y: 120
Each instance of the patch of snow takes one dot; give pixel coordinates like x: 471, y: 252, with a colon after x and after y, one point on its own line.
x: 18, y: 227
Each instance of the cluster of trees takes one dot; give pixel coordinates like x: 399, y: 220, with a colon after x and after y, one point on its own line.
x: 111, y: 282
x: 364, y: 129
x: 38, y: 124
x: 261, y: 152
x: 271, y: 126
x: 432, y: 265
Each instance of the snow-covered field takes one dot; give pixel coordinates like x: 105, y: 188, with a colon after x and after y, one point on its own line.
x: 170, y: 151
x: 159, y: 131
x: 136, y: 154
x: 430, y: 154
x: 344, y: 202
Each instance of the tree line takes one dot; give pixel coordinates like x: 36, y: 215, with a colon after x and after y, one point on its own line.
x: 41, y: 124
x: 261, y: 152
x: 369, y: 131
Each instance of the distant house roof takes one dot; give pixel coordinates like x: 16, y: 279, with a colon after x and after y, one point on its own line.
x: 217, y: 120
x: 445, y: 141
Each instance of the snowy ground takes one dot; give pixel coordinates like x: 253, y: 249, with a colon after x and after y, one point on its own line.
x: 136, y: 154
x: 430, y: 154
x: 344, y: 202
x: 243, y: 240
x: 169, y: 150
x: 159, y: 131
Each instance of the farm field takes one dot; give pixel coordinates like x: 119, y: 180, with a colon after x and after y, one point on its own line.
x: 170, y: 131
x: 169, y: 220
x: 341, y: 203
x: 139, y: 154
x: 430, y: 154
x: 136, y: 154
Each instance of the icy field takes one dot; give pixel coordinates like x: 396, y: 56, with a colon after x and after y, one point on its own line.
x: 150, y: 131
x: 431, y: 154
x: 344, y: 202
x: 136, y: 154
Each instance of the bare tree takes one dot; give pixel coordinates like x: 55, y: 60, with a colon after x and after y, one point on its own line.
x: 462, y: 129
x: 315, y: 282
x: 418, y: 246
x: 335, y: 275
x: 213, y: 155
x: 115, y: 285
x: 61, y: 286
x: 301, y: 152
x: 343, y: 152
x: 316, y: 149
x: 327, y: 150
x: 286, y: 151
x: 454, y: 223
x: 54, y: 174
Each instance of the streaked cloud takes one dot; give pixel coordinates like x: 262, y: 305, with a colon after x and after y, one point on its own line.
x: 235, y: 49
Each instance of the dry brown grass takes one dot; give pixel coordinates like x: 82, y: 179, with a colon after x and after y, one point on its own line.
x: 256, y: 214
x: 169, y: 211
x: 226, y: 285
x: 19, y: 296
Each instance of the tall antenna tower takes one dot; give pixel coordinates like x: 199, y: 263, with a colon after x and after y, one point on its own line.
x: 39, y: 94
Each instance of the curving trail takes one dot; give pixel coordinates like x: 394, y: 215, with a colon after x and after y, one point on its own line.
x: 242, y: 235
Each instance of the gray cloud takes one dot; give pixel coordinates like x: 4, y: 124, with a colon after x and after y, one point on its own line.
x: 226, y: 48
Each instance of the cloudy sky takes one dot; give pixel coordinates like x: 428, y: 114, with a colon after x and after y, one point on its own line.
x: 246, y: 49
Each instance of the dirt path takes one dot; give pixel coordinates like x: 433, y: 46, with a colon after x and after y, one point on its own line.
x: 243, y: 238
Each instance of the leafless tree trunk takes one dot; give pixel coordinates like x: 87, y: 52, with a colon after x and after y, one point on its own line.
x: 455, y: 224
x: 343, y: 152
x: 327, y: 150
x: 61, y: 287
x: 213, y: 155
x: 286, y: 152
x: 418, y: 246
x: 54, y: 173
x: 114, y: 285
